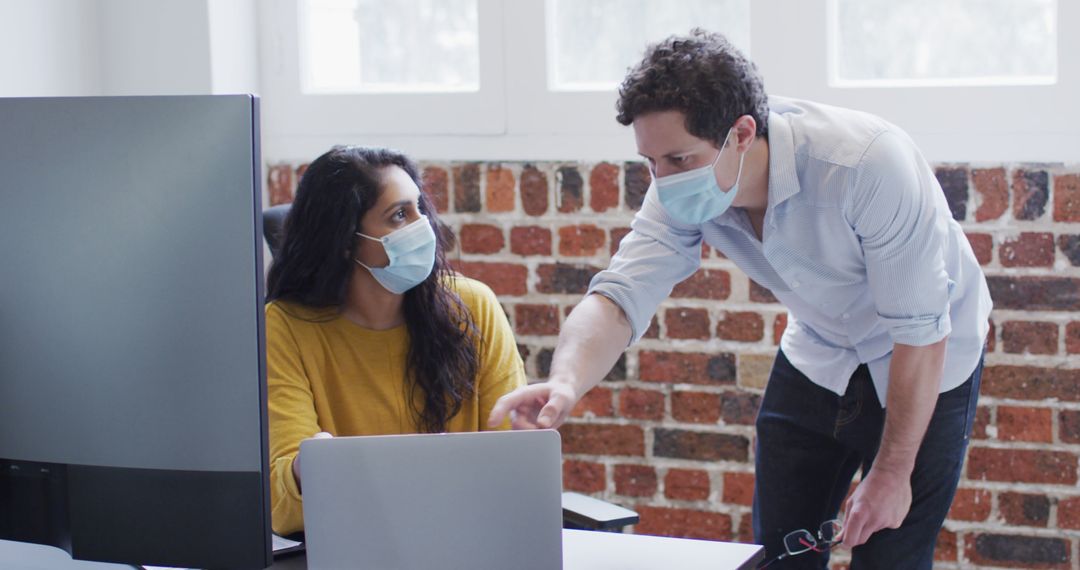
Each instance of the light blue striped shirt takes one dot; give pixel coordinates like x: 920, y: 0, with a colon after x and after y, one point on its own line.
x: 858, y: 243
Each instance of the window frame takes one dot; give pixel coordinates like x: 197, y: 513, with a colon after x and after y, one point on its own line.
x: 515, y: 116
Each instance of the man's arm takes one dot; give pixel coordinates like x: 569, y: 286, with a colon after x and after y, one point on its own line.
x: 616, y: 311
x: 591, y: 340
x: 883, y: 498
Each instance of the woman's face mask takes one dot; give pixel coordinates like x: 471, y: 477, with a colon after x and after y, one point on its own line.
x: 411, y: 251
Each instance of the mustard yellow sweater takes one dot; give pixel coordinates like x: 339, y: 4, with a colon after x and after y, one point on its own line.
x: 337, y: 377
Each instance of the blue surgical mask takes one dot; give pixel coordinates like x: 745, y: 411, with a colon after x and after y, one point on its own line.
x: 694, y: 197
x: 411, y: 251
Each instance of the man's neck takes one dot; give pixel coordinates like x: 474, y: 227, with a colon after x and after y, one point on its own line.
x: 754, y: 191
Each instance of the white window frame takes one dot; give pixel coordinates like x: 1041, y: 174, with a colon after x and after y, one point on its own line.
x: 515, y: 116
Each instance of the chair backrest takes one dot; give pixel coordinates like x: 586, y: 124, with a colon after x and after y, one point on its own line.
x: 274, y: 226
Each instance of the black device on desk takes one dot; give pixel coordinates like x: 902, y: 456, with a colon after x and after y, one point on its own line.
x: 132, y: 380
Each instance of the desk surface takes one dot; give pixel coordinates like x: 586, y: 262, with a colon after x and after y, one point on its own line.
x: 582, y: 550
x: 586, y: 550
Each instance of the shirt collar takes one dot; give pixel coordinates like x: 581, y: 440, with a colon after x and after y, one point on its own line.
x: 783, y: 179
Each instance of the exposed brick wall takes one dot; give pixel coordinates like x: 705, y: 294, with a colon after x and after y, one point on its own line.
x: 670, y: 431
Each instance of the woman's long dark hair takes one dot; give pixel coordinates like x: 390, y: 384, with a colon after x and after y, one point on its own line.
x: 316, y: 260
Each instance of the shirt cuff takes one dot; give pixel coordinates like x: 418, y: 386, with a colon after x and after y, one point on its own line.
x: 918, y: 331
x: 620, y: 295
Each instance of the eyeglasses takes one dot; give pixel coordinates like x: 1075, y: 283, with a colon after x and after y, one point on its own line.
x: 801, y: 541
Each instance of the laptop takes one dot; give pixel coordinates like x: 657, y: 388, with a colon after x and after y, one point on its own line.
x: 481, y: 500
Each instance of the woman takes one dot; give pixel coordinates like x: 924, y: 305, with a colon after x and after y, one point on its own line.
x: 368, y: 329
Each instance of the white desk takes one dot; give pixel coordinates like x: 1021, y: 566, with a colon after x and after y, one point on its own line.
x: 587, y: 550
x: 582, y: 550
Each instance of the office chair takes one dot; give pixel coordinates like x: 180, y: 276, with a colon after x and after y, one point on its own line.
x: 579, y: 511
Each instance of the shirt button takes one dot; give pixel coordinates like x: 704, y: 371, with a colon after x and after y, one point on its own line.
x: 795, y: 284
x: 845, y: 316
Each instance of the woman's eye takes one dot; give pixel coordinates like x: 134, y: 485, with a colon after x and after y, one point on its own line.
x: 400, y: 215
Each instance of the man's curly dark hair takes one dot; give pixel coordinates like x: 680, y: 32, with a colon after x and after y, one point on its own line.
x: 702, y: 75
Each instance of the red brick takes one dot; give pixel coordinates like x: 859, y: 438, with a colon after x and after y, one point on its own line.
x: 1072, y: 337
x: 983, y: 246
x: 1025, y: 424
x: 738, y: 488
x: 1009, y: 551
x: 280, y: 184
x: 530, y: 240
x: 617, y: 234
x: 500, y: 189
x: 991, y: 336
x: 583, y: 476
x: 683, y: 322
x: 536, y: 319
x: 571, y: 189
x: 635, y: 480
x: 683, y: 523
x: 1069, y: 244
x: 1068, y: 513
x: 503, y: 278
x: 1019, y: 337
x: 1030, y: 194
x: 688, y: 367
x: 695, y: 407
x: 1067, y: 198
x: 1035, y: 293
x: 467, y: 187
x: 641, y: 404
x: 970, y: 505
x: 565, y: 278
x: 993, y: 191
x: 1029, y: 249
x: 699, y: 446
x: 602, y: 439
x: 779, y: 325
x: 595, y: 403
x: 534, y: 191
x: 686, y: 485
x: 654, y: 329
x: 746, y: 534
x: 1022, y: 509
x: 705, y: 284
x: 1021, y: 466
x: 946, y: 548
x: 982, y: 419
x: 760, y: 294
x: 437, y: 186
x: 743, y: 326
x: 954, y: 184
x: 481, y: 238
x: 604, y: 187
x: 580, y: 241
x: 300, y: 170
x: 739, y: 408
x: 1030, y: 383
x: 1069, y: 426
x: 636, y: 180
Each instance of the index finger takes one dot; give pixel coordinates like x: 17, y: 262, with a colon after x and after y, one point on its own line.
x: 511, y: 401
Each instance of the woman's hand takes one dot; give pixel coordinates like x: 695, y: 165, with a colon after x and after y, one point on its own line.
x: 296, y: 460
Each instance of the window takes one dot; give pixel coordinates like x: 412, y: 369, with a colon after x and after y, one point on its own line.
x: 943, y: 42
x: 389, y: 46
x: 591, y: 43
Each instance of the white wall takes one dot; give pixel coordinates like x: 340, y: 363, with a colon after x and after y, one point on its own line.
x: 127, y: 47
x: 49, y: 48
x: 160, y: 47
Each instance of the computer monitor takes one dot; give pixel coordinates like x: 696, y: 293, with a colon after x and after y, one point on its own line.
x: 132, y: 375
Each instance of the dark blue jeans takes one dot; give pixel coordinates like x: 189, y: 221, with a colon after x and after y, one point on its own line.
x: 810, y: 443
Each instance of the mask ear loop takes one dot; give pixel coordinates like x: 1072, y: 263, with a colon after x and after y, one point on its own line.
x: 361, y: 263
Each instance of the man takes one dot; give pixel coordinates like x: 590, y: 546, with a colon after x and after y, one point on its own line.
x: 840, y: 216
